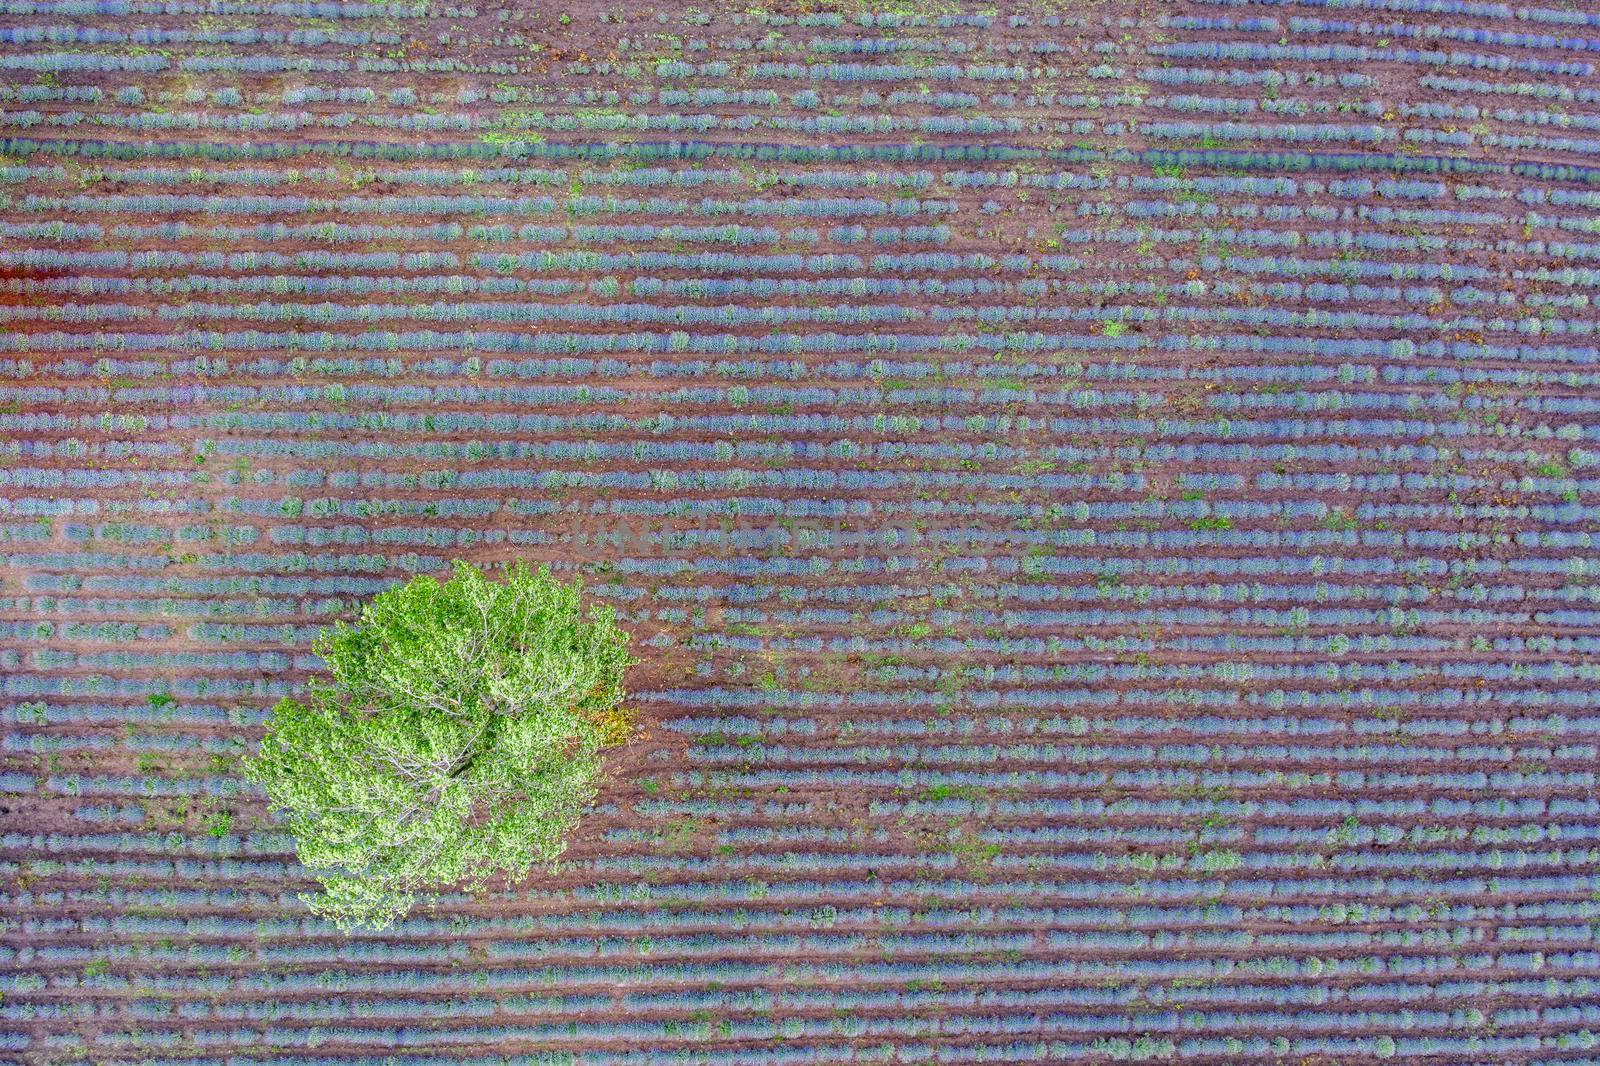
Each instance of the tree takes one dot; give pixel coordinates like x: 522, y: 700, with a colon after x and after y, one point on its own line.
x: 458, y: 738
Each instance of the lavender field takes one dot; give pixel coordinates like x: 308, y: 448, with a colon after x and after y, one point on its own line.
x: 1106, y: 496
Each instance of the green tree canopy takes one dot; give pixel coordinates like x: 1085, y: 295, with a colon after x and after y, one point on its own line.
x: 458, y: 738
